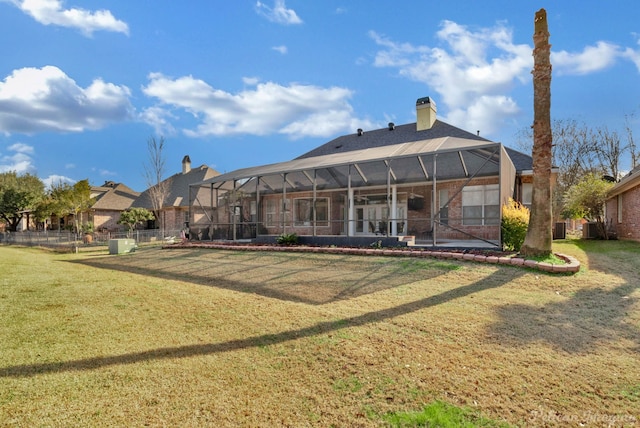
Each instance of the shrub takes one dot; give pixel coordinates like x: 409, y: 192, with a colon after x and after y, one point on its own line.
x: 515, y: 220
x: 287, y: 239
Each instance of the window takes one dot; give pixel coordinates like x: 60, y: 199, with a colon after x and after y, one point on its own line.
x: 527, y: 194
x: 619, y: 208
x: 271, y: 214
x: 481, y: 205
x: 303, y: 212
x: 252, y: 211
x: 443, y: 196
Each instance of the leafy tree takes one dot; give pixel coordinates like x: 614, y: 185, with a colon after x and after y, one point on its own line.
x: 587, y: 200
x: 134, y: 216
x: 65, y: 199
x: 18, y: 193
x: 56, y: 201
x: 79, y: 201
x: 579, y: 149
x: 539, y: 237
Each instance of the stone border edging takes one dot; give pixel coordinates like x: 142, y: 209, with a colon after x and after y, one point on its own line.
x: 572, y: 264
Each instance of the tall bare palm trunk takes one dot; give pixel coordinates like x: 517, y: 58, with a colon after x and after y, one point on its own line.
x: 539, y: 234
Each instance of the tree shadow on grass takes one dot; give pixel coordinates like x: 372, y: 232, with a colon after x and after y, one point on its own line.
x: 500, y: 277
x: 590, y: 316
x: 298, y: 277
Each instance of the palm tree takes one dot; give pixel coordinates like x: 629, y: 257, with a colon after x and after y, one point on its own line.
x: 539, y: 233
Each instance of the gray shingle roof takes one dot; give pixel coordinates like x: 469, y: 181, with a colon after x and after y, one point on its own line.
x: 178, y: 188
x: 406, y: 134
x: 114, y: 196
x: 384, y: 137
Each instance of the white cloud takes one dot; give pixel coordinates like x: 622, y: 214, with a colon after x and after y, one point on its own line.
x: 481, y: 115
x: 51, y: 12
x: 470, y: 70
x: 54, y: 179
x: 590, y: 60
x: 473, y: 72
x: 21, y: 148
x: 633, y: 55
x: 295, y: 110
x: 282, y: 49
x: 251, y: 81
x: 107, y: 173
x: 279, y: 13
x: 19, y: 160
x: 46, y: 99
x: 160, y: 119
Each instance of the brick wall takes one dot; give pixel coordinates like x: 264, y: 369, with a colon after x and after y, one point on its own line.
x: 418, y: 219
x: 107, y: 220
x: 629, y: 227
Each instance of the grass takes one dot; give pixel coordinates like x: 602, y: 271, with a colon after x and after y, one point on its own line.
x: 197, y: 337
x: 440, y: 414
x: 551, y: 259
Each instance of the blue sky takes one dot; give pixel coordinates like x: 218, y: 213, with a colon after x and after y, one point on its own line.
x: 85, y: 83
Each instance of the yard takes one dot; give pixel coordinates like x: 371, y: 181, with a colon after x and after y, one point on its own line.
x: 199, y: 337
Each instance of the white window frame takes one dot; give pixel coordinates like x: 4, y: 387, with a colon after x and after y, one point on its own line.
x: 322, y: 204
x: 527, y: 194
x: 619, y: 208
x: 443, y: 198
x: 486, y: 197
x: 271, y: 212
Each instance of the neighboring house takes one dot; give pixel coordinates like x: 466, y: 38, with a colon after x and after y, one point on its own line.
x: 175, y: 211
x: 622, y: 209
x: 111, y: 199
x: 428, y: 179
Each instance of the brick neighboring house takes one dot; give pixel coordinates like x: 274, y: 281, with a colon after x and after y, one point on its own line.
x: 622, y: 209
x: 175, y: 212
x: 111, y: 199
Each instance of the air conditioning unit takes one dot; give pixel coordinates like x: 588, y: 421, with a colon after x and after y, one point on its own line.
x: 560, y: 230
x: 590, y: 230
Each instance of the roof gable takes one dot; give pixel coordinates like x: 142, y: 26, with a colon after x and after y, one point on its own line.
x: 116, y: 196
x: 178, y: 188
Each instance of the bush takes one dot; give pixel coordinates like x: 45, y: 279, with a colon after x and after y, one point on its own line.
x: 515, y: 220
x: 287, y: 239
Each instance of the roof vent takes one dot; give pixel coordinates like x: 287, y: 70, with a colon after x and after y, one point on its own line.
x: 360, y: 132
x: 392, y: 126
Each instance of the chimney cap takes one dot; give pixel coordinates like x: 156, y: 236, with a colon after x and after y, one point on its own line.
x: 392, y: 126
x: 186, y: 158
x: 425, y: 100
x: 360, y: 131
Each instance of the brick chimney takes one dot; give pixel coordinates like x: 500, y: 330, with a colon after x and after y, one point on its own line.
x: 186, y: 164
x: 425, y: 113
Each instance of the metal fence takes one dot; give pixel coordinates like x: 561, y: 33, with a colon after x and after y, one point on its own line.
x: 68, y: 239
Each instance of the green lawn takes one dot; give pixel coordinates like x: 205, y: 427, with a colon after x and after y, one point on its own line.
x: 198, y: 337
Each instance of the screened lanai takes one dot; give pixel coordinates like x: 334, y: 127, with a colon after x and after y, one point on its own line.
x: 424, y: 192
